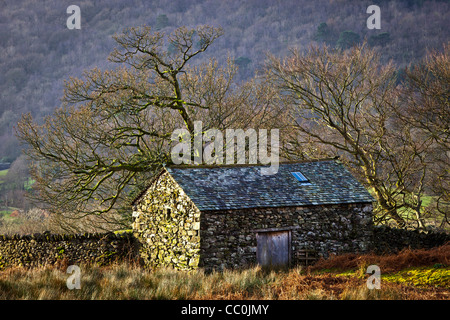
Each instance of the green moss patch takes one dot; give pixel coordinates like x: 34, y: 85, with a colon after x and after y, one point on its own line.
x: 437, y: 276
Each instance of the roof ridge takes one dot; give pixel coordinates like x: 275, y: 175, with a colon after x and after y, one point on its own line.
x: 201, y: 166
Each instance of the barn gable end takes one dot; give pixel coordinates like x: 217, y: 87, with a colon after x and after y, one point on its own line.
x: 167, y: 224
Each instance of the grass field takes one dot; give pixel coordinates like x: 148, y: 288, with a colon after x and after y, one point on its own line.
x: 2, y: 174
x: 4, y: 211
x: 339, y: 278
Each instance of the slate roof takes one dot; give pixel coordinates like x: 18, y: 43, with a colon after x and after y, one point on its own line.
x: 239, y: 187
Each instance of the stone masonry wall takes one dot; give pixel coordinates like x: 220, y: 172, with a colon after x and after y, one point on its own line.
x: 392, y: 240
x: 228, y: 239
x: 167, y: 225
x: 47, y: 249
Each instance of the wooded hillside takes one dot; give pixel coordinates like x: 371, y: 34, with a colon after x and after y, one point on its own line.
x: 38, y: 52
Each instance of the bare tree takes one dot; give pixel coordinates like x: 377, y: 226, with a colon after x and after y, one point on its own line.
x: 114, y: 128
x: 426, y: 108
x: 344, y: 103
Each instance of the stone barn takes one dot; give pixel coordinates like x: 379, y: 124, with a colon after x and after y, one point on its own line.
x: 231, y: 216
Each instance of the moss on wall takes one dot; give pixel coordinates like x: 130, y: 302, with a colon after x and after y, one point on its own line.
x: 167, y: 225
x: 46, y: 248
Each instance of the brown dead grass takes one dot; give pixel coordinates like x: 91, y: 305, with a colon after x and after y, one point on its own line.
x: 131, y: 281
x: 329, y: 286
x: 406, y: 258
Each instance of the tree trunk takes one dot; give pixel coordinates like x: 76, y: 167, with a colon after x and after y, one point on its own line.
x: 388, y: 208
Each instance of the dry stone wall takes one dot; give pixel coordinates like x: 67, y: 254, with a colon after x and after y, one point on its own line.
x: 47, y: 249
x: 187, y: 239
x: 392, y: 240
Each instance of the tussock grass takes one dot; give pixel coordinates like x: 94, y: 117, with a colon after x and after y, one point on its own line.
x: 131, y: 281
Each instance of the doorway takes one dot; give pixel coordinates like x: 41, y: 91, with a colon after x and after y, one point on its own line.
x: 273, y: 249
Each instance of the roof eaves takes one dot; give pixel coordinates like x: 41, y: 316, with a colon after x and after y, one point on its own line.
x: 306, y: 204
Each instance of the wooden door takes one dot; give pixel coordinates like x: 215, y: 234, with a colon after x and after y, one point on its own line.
x: 273, y: 249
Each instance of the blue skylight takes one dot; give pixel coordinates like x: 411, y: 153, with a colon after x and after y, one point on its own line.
x: 301, y: 178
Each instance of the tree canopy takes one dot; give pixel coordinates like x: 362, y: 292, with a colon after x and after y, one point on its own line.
x: 394, y: 137
x: 114, y: 127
